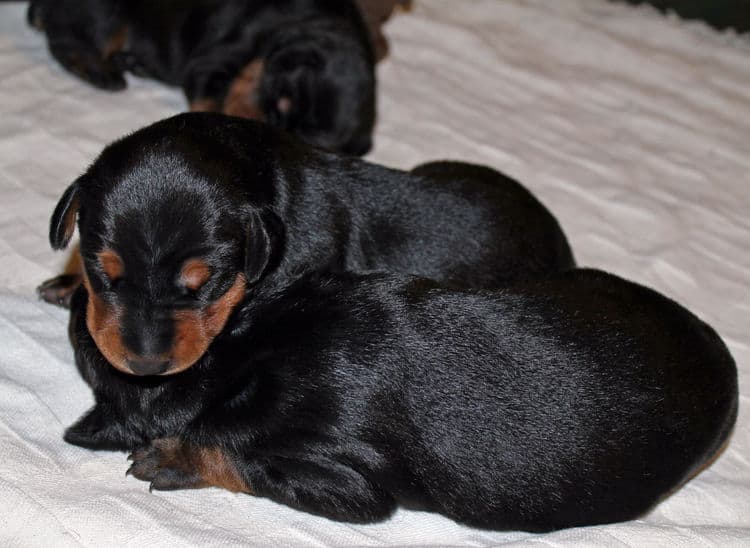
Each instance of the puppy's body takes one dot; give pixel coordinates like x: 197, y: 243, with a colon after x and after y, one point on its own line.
x: 306, y: 66
x: 575, y: 400
x: 461, y: 224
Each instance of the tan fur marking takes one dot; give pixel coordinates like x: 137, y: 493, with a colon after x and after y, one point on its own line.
x: 242, y: 97
x: 103, y: 323
x: 111, y: 263
x: 195, y: 329
x: 212, y: 465
x: 74, y: 264
x: 194, y: 274
x: 217, y: 470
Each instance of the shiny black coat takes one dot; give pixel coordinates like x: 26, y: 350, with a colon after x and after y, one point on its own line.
x: 575, y: 400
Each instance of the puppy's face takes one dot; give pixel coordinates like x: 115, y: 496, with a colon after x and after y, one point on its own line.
x: 167, y: 260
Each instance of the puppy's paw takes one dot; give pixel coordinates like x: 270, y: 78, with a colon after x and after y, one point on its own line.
x: 170, y: 463
x: 59, y: 290
x: 98, y: 429
x: 166, y: 464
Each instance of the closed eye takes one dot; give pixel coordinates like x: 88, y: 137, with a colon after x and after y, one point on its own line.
x: 188, y: 293
x: 193, y: 276
x: 115, y: 284
x: 113, y: 268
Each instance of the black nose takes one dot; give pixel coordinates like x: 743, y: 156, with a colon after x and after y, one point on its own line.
x: 148, y: 366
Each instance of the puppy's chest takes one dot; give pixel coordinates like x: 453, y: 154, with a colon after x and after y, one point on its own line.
x: 183, y: 406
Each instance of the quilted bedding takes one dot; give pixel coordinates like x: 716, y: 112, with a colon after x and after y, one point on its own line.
x: 633, y: 128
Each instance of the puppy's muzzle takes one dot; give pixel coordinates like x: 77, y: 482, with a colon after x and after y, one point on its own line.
x: 148, y: 365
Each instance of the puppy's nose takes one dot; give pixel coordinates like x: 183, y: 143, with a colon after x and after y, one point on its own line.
x: 148, y: 366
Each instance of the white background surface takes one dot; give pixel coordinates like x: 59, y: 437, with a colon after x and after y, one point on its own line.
x: 634, y: 129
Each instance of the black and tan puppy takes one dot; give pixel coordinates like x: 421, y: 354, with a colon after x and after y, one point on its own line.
x: 306, y: 66
x: 576, y: 400
x: 462, y: 224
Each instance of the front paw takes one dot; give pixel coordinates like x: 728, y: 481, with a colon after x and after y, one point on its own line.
x: 166, y: 464
x: 59, y: 290
x: 170, y: 463
x: 99, y: 429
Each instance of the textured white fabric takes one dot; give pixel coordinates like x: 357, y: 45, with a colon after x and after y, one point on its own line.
x: 634, y: 129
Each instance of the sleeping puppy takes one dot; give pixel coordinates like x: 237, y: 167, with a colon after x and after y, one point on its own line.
x: 575, y: 400
x: 306, y: 66
x: 461, y: 224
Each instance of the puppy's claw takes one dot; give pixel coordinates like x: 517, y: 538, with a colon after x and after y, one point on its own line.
x: 164, y: 466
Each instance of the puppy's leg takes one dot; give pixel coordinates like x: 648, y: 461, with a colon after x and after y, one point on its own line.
x: 85, y: 37
x: 319, y: 486
x: 170, y: 463
x: 84, y: 61
x: 60, y: 289
x: 322, y: 486
x: 100, y: 429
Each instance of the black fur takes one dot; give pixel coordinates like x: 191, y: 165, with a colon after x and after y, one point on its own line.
x: 576, y: 400
x: 317, y: 56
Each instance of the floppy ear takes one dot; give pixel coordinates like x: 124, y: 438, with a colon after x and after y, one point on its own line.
x: 63, y: 220
x: 263, y: 236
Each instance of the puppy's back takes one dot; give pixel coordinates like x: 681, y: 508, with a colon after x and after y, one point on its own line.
x: 575, y: 400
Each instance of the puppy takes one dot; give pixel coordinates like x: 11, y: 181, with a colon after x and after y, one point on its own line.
x: 461, y: 224
x: 576, y: 400
x: 306, y: 66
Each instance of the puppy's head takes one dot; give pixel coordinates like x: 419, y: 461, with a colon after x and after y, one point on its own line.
x: 318, y: 82
x: 170, y: 245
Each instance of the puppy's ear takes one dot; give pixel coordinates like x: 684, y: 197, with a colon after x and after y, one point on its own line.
x: 63, y: 220
x: 263, y: 237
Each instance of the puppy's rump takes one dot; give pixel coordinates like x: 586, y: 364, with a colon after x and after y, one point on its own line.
x: 532, y: 226
x: 576, y: 400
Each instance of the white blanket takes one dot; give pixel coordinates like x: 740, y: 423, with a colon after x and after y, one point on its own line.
x: 634, y: 129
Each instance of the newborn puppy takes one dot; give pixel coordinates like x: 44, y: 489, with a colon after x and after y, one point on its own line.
x: 462, y: 224
x: 575, y: 400
x: 306, y: 66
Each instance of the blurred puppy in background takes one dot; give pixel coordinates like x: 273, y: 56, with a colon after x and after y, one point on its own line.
x: 306, y: 66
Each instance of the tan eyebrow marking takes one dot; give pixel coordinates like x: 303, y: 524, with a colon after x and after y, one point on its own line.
x: 195, y: 273
x: 111, y: 263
